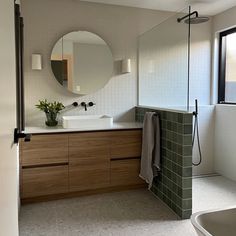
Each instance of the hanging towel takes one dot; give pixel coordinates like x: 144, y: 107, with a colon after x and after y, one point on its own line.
x: 150, y: 159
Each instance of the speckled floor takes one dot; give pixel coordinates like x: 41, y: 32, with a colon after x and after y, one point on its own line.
x: 130, y: 213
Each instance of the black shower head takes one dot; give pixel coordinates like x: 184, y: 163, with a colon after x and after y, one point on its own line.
x: 189, y: 19
x: 197, y: 20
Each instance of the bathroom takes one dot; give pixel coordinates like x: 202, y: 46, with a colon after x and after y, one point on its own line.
x: 153, y: 66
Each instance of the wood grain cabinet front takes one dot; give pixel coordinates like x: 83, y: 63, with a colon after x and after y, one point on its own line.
x: 42, y: 181
x: 71, y: 164
x: 89, y: 161
x: 126, y: 144
x: 125, y: 157
x: 45, y: 149
x: 125, y: 172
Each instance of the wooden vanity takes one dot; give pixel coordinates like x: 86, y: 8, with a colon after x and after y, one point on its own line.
x: 60, y: 165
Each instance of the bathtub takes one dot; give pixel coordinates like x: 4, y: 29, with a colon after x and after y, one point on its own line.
x: 215, y: 223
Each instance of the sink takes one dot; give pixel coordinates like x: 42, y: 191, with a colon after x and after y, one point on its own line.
x: 91, y: 121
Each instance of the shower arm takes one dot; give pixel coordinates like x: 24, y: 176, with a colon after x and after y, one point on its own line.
x: 182, y: 18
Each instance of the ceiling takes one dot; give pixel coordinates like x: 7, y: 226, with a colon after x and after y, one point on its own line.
x: 206, y: 7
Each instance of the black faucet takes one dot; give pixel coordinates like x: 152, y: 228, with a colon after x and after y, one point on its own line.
x: 90, y: 104
x: 83, y: 104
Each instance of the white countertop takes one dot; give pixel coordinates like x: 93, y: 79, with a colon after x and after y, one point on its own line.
x: 60, y: 129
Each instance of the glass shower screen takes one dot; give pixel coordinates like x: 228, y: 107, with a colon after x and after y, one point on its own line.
x: 163, y: 65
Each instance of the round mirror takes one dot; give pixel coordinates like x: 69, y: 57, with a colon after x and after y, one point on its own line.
x: 82, y: 62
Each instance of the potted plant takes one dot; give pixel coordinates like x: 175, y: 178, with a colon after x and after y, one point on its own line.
x: 51, y: 109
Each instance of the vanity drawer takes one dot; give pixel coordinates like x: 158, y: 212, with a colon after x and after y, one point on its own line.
x: 125, y: 172
x: 89, y: 161
x: 45, y: 149
x: 125, y: 144
x: 89, y: 140
x: 44, y: 181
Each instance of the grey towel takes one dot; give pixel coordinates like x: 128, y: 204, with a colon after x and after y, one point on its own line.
x: 150, y: 159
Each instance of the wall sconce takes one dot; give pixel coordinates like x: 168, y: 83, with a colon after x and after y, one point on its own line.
x: 36, y: 62
x: 126, y: 66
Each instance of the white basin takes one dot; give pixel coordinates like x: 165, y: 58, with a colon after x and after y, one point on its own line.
x: 92, y: 121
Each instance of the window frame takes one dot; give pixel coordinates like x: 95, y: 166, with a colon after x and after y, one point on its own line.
x: 222, y: 66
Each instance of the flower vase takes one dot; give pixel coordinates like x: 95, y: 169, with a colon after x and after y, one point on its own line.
x: 51, y: 119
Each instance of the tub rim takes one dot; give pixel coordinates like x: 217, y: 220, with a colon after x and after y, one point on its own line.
x: 194, y: 218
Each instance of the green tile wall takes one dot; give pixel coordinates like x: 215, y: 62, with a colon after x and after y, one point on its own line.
x: 174, y: 184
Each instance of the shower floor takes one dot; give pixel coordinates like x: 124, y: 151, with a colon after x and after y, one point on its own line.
x: 213, y: 192
x: 136, y: 213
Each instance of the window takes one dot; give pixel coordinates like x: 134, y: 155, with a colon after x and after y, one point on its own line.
x: 227, y: 67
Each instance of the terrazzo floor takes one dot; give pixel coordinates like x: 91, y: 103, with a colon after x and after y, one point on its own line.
x: 129, y: 213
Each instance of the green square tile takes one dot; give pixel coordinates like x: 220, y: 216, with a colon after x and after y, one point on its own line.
x: 164, y: 134
x: 178, y: 180
x: 168, y: 154
x: 178, y: 211
x: 179, y: 192
x: 169, y: 116
x: 164, y: 180
x: 159, y: 178
x: 187, y: 139
x: 164, y: 115
x: 174, y: 127
x: 164, y: 189
x: 178, y: 201
x: 187, y: 182
x: 174, y: 157
x: 180, y: 139
x: 186, y: 214
x: 168, y: 164
x: 168, y: 134
x: 173, y: 168
x: 154, y: 189
x: 163, y: 152
x: 173, y: 175
x: 188, y: 129
x: 188, y: 118
x: 163, y: 124
x: 164, y: 162
x: 174, y: 188
x: 169, y: 193
x: 186, y: 204
x: 159, y: 194
x: 179, y: 159
x: 169, y: 145
x: 167, y: 200
x: 169, y: 125
x: 187, y: 161
x: 160, y: 186
x: 175, y: 117
x: 164, y: 143
x: 186, y: 193
x: 164, y: 171
x: 168, y: 173
x: 174, y: 147
x: 180, y: 128
x: 174, y: 137
x: 179, y: 170
x: 179, y: 149
x: 187, y: 172
x: 187, y: 150
x: 173, y: 206
x: 180, y: 118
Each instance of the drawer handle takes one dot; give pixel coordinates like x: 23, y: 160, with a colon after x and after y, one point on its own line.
x: 125, y: 158
x: 45, y: 165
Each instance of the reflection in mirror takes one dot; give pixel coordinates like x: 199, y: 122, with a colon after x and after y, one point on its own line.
x: 82, y: 62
